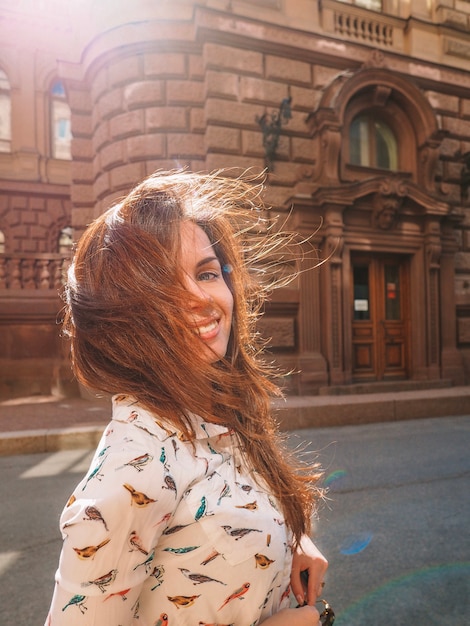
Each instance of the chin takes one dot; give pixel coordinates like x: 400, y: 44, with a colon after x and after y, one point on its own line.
x: 214, y: 355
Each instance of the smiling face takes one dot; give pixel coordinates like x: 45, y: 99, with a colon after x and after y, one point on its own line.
x: 210, y: 301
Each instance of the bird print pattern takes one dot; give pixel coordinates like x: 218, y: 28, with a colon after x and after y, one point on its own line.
x: 166, y: 532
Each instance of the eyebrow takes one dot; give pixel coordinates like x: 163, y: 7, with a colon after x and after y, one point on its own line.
x: 206, y: 260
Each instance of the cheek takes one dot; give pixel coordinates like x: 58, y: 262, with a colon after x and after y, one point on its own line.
x: 228, y: 299
x: 229, y: 303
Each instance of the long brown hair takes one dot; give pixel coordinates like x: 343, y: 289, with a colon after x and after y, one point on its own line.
x: 124, y: 302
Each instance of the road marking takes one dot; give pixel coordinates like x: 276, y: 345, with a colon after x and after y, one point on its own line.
x: 70, y: 461
x: 7, y: 559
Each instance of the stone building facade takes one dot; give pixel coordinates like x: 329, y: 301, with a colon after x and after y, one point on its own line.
x: 360, y: 111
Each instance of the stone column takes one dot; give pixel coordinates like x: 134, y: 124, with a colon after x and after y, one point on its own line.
x: 332, y: 291
x: 452, y: 366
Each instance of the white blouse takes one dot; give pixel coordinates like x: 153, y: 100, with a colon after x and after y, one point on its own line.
x: 167, y: 532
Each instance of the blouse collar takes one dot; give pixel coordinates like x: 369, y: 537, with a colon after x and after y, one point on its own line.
x: 127, y: 409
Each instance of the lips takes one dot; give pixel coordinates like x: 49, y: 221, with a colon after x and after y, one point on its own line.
x: 208, y: 330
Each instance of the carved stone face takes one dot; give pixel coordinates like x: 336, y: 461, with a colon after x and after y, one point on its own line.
x: 386, y: 213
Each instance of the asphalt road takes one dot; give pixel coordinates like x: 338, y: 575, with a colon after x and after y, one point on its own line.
x: 395, y: 527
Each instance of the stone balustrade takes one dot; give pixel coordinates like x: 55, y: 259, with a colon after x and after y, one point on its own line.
x: 30, y: 271
x: 364, y: 28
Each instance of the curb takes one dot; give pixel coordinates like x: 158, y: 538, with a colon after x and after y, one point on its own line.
x: 349, y: 411
x: 293, y: 413
x: 50, y: 440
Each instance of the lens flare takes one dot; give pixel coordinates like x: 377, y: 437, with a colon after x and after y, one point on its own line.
x: 334, y: 479
x: 432, y: 595
x: 355, y: 543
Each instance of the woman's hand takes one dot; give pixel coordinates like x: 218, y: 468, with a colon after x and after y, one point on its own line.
x: 304, y: 616
x: 308, y: 558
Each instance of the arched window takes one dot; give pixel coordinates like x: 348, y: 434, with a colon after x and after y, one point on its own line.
x: 61, y: 136
x: 2, y: 243
x: 373, y: 5
x: 65, y: 242
x: 5, y: 113
x: 372, y: 143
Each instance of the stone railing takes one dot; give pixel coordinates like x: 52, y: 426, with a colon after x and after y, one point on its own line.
x: 365, y: 29
x: 33, y: 271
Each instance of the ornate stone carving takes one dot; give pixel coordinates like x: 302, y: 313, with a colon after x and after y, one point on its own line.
x: 386, y: 210
x: 376, y: 59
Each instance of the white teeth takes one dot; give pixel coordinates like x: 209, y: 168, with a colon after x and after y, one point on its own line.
x: 202, y: 330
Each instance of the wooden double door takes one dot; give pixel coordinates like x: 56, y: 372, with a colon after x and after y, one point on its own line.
x: 380, y: 317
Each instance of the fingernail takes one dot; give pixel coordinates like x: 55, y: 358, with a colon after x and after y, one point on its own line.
x: 300, y: 600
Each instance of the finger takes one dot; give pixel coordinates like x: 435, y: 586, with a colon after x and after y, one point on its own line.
x: 315, y: 589
x: 297, y: 587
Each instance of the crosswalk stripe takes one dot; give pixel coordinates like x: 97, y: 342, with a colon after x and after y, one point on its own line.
x: 70, y: 461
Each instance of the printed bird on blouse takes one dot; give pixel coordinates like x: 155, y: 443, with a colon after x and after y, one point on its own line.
x: 147, y: 564
x: 162, y: 620
x: 262, y: 561
x: 95, y: 473
x: 210, y: 557
x: 163, y: 458
x: 138, y: 498
x: 183, y: 601
x: 157, y: 573
x: 169, y: 433
x: 174, y: 529
x: 94, y: 515
x: 183, y: 550
x: 120, y: 594
x: 198, y: 579
x: 103, y: 451
x: 238, y: 533
x: 77, y: 600
x: 139, y: 462
x: 135, y: 543
x: 71, y: 500
x: 238, y: 593
x: 133, y: 415
x: 225, y: 493
x: 246, y: 488
x: 212, y: 624
x: 103, y: 581
x: 250, y: 506
x: 202, y: 509
x: 90, y: 551
x: 169, y: 483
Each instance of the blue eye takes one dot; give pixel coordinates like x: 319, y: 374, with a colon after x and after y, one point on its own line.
x: 208, y: 275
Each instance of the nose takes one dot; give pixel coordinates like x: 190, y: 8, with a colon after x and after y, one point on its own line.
x: 197, y: 294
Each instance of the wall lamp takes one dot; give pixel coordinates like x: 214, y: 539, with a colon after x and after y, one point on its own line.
x: 270, y: 125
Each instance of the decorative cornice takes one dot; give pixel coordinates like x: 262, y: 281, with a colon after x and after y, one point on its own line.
x: 347, y: 194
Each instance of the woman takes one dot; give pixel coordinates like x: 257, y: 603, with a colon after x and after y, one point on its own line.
x: 192, y: 512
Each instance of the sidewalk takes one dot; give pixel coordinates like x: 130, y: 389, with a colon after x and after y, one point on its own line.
x: 48, y: 423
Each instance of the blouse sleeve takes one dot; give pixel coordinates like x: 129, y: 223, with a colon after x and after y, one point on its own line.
x: 110, y: 527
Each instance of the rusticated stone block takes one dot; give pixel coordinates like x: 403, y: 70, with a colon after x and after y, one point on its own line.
x: 185, y: 145
x: 226, y: 57
x: 123, y: 70
x: 148, y: 146
x: 143, y: 93
x: 126, y: 124
x: 166, y: 118
x: 165, y: 64
x: 288, y: 69
x: 184, y: 92
x: 221, y: 138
